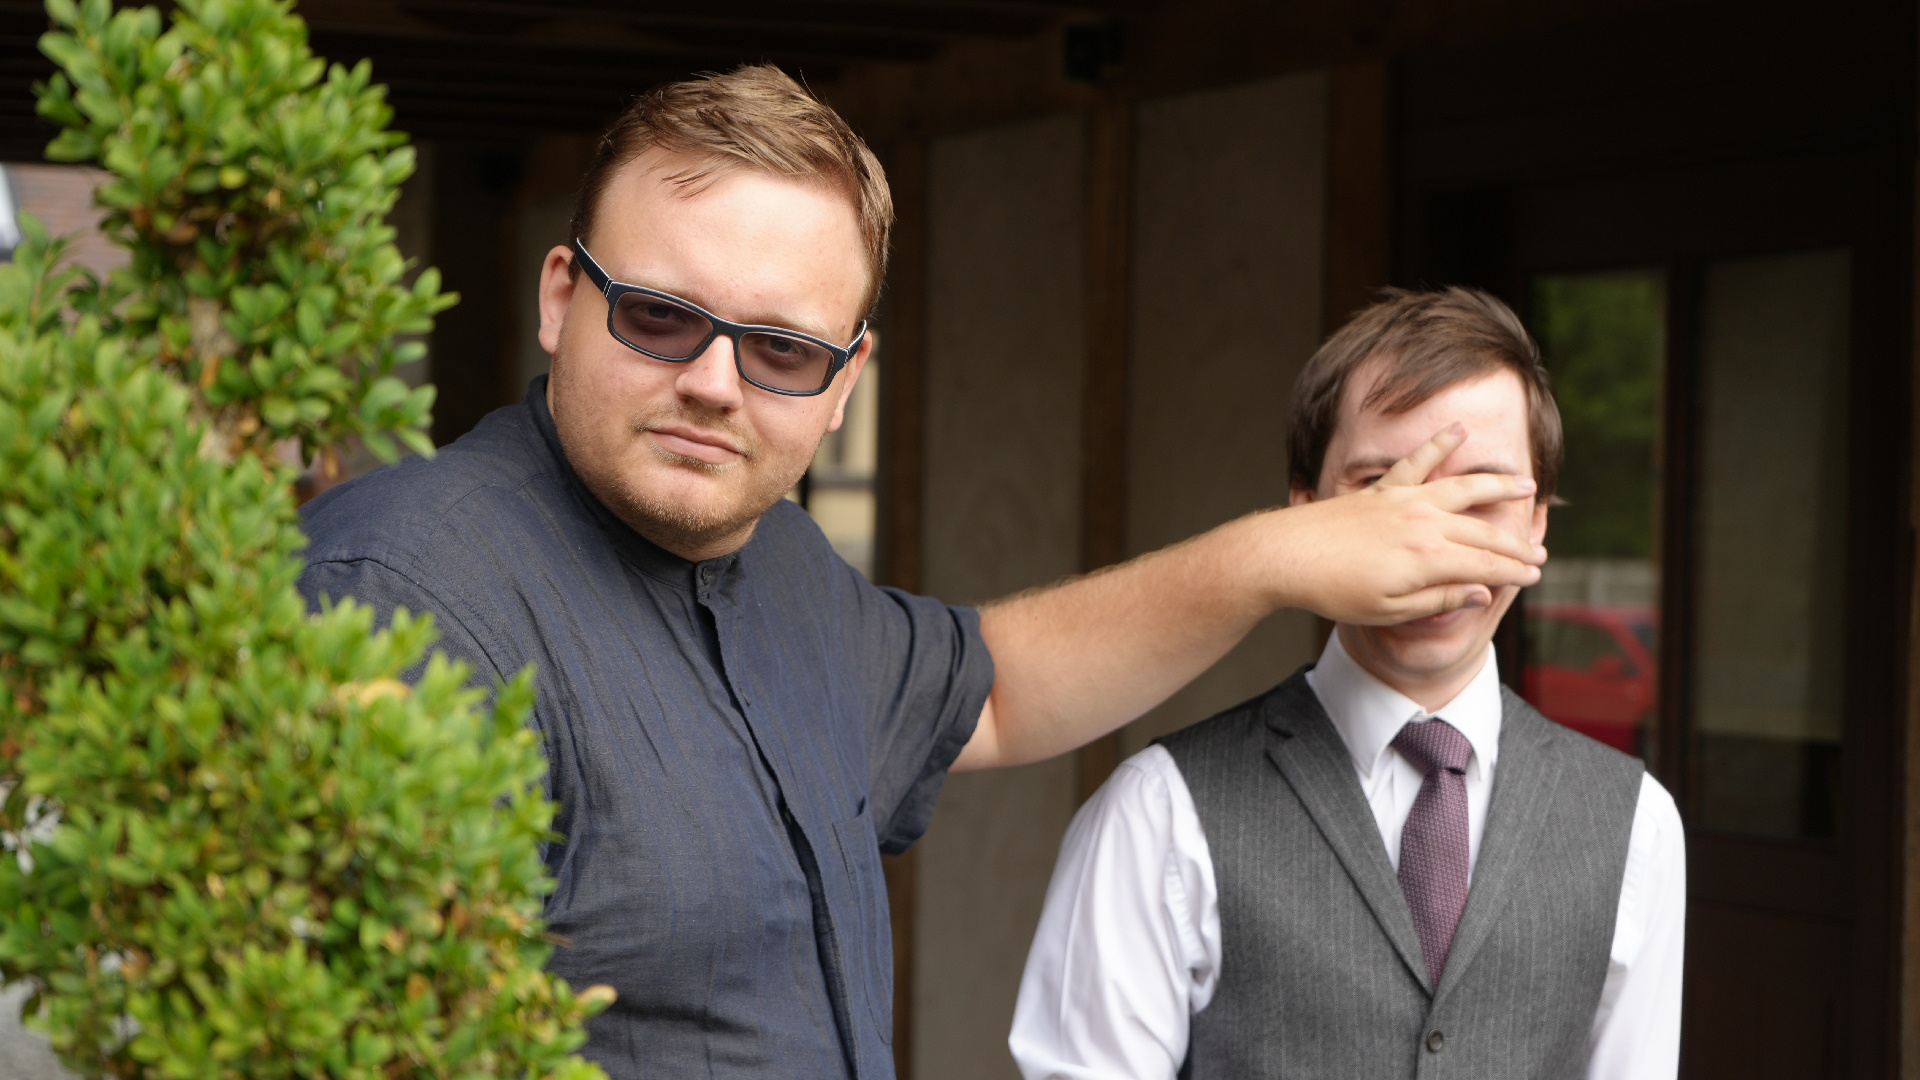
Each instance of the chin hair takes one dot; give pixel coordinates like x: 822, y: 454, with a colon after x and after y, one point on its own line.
x: 678, y: 526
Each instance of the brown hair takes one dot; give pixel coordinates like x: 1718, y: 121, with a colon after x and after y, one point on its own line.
x: 1428, y: 342
x: 753, y: 117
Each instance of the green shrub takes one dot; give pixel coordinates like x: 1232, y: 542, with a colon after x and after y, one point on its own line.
x: 240, y: 846
x: 252, y: 193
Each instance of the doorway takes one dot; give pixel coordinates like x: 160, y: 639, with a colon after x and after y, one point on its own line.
x: 1725, y: 581
x: 1704, y: 218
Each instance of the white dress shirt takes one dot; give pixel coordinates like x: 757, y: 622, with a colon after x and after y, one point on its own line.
x: 1128, y: 947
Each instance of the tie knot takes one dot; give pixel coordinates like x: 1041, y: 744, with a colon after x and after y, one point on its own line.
x: 1432, y: 745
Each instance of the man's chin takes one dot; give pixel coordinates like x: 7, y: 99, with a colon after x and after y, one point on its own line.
x: 1429, y: 647
x: 693, y: 509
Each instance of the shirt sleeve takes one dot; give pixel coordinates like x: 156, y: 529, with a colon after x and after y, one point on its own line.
x: 1128, y: 946
x: 927, y: 674
x: 1636, y: 1030
x: 384, y: 589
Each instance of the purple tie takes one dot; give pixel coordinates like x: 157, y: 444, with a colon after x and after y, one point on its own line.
x: 1433, y: 845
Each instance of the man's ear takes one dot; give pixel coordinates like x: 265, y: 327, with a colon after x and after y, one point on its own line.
x: 556, y: 295
x: 1538, y: 532
x: 1299, y: 496
x: 855, y: 365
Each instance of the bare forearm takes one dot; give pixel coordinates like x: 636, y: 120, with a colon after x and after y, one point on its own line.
x: 1079, y: 659
x: 1076, y: 660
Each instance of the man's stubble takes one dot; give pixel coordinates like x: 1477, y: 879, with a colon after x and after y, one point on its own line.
x: 677, y: 526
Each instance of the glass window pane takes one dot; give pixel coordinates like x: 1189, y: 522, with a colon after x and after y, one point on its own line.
x: 1771, y: 538
x: 1592, y: 662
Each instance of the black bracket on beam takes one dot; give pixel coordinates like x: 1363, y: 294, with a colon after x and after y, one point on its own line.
x: 1089, y: 49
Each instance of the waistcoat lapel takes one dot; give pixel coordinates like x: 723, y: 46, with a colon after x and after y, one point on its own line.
x: 1523, y: 787
x: 1309, y: 754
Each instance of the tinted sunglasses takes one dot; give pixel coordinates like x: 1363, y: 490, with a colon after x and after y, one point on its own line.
x: 668, y: 328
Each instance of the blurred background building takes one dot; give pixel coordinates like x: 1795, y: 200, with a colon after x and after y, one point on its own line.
x: 1125, y: 224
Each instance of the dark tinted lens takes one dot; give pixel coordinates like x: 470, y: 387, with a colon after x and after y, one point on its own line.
x: 657, y: 326
x: 784, y: 363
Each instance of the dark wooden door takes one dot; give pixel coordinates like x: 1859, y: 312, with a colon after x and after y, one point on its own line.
x: 1726, y: 321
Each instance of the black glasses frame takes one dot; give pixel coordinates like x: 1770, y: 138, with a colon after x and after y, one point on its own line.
x: 614, y: 290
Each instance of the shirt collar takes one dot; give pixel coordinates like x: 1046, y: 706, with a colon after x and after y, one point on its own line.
x: 1368, y: 713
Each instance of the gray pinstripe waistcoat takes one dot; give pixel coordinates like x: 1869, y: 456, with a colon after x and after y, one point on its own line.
x: 1322, y: 976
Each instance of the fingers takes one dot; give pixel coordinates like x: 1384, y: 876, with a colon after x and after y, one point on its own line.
x: 1464, y: 492
x: 1475, y: 566
x: 1439, y: 598
x: 1465, y: 564
x: 1414, y: 468
x: 1475, y: 533
x: 1500, y: 570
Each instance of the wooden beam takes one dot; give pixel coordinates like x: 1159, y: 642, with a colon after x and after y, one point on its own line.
x: 854, y: 16
x: 900, y: 509
x: 1359, y: 246
x: 538, y: 27
x: 1109, y: 269
x: 574, y: 53
x: 1359, y: 189
x: 901, y: 547
x: 1907, y: 795
x: 1171, y: 49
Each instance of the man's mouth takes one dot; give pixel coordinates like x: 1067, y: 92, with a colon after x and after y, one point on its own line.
x: 698, y: 444
x: 1441, y: 621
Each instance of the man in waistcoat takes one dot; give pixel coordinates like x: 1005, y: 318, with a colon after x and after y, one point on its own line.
x: 1389, y: 865
x: 736, y: 722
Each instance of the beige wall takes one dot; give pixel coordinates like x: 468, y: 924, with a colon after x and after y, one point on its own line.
x: 1228, y: 216
x: 1227, y: 295
x: 1005, y: 294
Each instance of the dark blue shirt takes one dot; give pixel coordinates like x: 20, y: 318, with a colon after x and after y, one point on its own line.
x: 731, y: 743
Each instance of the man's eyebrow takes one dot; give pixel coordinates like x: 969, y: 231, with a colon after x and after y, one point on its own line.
x: 1370, y: 464
x: 781, y: 322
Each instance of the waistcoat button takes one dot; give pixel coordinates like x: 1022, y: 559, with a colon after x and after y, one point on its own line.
x: 1435, y: 1041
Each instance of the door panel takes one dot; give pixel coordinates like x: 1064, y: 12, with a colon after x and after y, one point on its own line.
x: 1763, y: 995
x: 1770, y: 557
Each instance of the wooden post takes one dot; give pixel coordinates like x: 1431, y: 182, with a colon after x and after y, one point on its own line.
x: 1109, y: 179
x: 899, y: 509
x: 1907, y: 989
x: 1359, y: 189
x: 1359, y: 201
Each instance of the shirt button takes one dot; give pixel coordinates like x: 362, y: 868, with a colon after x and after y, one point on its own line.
x: 1435, y: 1041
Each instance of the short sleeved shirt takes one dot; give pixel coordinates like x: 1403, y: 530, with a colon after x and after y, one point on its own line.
x: 731, y: 743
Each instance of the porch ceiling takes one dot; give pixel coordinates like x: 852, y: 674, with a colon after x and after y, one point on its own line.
x: 492, y: 70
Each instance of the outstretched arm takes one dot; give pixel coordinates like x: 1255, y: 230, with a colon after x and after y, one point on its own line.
x: 1077, y: 660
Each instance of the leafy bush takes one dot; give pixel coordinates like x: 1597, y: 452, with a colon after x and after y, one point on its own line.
x: 241, y: 846
x: 252, y: 193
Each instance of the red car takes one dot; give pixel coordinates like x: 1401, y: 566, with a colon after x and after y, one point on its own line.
x: 1592, y: 668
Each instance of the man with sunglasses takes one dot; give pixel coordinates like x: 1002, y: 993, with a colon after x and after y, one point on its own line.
x: 737, y: 723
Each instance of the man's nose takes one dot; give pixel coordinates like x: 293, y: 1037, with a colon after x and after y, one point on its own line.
x: 713, y: 377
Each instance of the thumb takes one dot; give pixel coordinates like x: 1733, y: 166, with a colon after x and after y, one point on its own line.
x: 1436, y: 599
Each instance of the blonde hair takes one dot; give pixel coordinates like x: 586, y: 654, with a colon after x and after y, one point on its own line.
x: 753, y: 117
